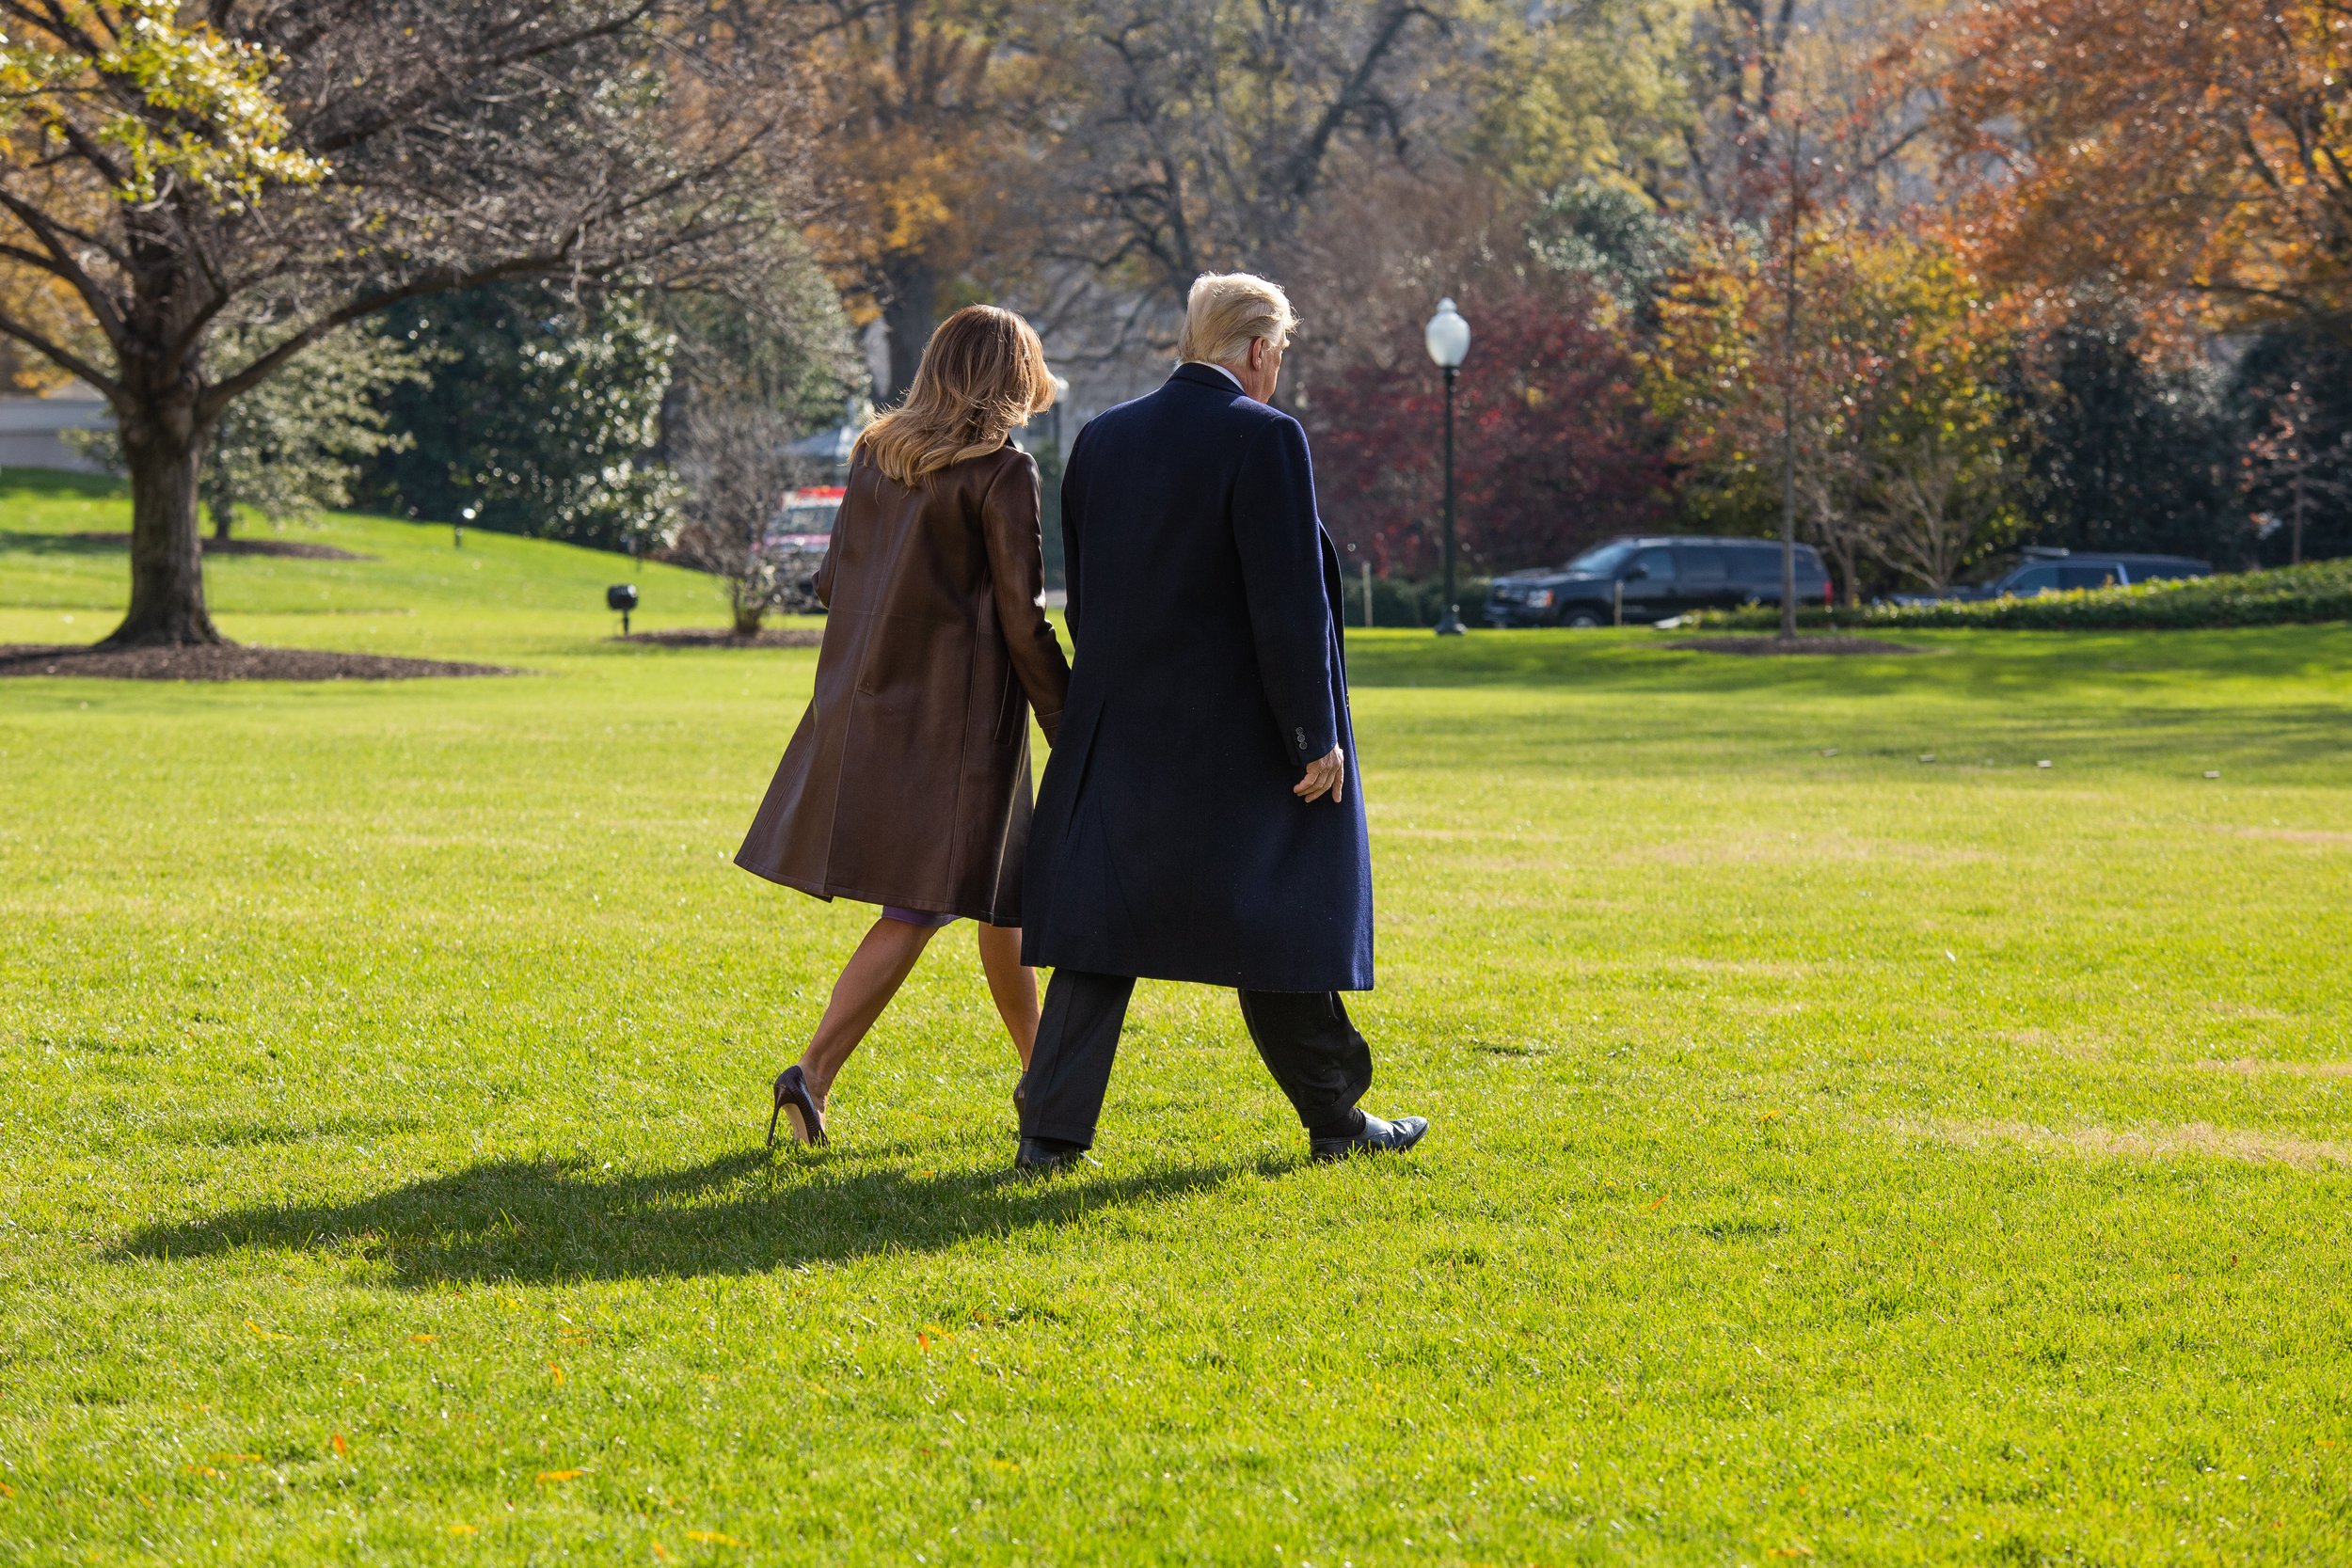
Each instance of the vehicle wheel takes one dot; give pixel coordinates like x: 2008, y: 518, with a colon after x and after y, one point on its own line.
x: 1583, y: 620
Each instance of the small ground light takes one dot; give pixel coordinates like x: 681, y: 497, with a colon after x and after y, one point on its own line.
x: 2045, y: 763
x: 623, y: 598
x: 2213, y: 772
x: 458, y: 528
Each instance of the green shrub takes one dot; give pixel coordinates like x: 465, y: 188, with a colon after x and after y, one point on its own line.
x: 2291, y: 596
x: 1404, y: 602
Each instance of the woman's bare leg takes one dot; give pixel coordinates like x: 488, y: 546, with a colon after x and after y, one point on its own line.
x: 871, y: 978
x: 1013, y: 984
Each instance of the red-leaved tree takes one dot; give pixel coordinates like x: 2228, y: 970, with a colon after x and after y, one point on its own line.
x: 1554, y: 448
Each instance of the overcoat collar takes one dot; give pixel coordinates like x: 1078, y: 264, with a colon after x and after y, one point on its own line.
x: 1203, y: 375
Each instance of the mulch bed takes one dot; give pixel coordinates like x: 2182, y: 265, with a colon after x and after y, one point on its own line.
x: 291, y: 549
x: 1757, y: 645
x: 228, y: 662
x: 769, y: 637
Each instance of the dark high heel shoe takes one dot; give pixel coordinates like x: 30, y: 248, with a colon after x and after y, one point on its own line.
x: 808, y: 1122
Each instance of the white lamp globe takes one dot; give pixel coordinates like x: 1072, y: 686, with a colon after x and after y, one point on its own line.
x: 1448, y: 336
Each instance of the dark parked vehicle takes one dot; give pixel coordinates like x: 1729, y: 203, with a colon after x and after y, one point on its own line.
x: 1651, y: 579
x: 2039, y: 570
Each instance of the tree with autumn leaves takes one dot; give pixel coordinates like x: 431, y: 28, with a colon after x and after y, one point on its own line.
x: 171, y: 168
x: 1891, y: 371
x: 2189, y: 146
x: 1555, y: 449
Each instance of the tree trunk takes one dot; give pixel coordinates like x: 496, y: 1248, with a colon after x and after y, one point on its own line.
x: 911, y: 314
x: 163, y: 450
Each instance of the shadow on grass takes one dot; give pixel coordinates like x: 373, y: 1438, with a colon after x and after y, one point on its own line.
x: 61, y: 484
x: 1975, y: 663
x: 540, y: 1222
x: 13, y: 543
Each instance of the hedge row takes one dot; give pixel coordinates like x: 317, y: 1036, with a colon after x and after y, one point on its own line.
x: 2287, y: 596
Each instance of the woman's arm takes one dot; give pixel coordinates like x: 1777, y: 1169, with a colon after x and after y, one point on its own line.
x: 823, y: 581
x: 1016, y: 563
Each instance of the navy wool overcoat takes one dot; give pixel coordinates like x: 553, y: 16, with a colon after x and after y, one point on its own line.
x: 1205, y: 604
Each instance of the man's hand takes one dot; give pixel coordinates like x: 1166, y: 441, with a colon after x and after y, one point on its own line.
x: 1326, y: 776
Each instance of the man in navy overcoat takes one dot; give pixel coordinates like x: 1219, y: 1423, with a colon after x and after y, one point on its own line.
x: 1201, y: 818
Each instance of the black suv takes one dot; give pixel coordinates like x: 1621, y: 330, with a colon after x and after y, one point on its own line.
x: 2038, y: 570
x: 1651, y: 579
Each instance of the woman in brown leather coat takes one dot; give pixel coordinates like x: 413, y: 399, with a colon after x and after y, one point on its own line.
x: 907, y: 784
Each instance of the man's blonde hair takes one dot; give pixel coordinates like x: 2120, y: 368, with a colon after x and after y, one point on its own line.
x: 1225, y: 310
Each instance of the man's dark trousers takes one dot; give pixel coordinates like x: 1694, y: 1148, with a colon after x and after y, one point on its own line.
x: 1308, y: 1045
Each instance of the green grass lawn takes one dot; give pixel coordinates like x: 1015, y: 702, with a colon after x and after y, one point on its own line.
x: 1838, y: 1155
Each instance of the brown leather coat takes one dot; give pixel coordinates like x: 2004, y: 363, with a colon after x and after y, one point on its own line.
x: 908, y: 781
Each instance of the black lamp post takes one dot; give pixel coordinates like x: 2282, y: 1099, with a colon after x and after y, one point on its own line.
x: 623, y: 598
x: 1448, y: 338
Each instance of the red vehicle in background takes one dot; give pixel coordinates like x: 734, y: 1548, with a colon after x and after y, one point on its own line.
x: 798, y: 538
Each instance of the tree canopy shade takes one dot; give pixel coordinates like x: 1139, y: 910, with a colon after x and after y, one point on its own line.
x: 173, y: 165
x: 535, y: 418
x: 2121, y: 449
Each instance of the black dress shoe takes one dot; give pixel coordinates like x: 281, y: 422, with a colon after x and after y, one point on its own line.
x: 1376, y: 1137
x: 1043, y: 1156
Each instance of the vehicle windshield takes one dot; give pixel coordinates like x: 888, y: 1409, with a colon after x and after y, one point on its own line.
x: 815, y: 518
x: 1602, y: 559
x: 1992, y: 569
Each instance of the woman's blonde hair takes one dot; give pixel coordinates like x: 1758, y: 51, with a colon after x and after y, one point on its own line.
x: 982, y: 373
x: 1225, y: 310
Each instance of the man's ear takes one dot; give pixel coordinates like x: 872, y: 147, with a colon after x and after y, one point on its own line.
x: 1257, y: 354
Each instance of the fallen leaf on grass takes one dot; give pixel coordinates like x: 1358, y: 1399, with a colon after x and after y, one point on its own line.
x: 463, y: 1530
x: 234, y: 1458
x: 338, y: 1444
x: 559, y: 1373
x: 5, y: 1489
x: 200, y: 1470
x: 712, y: 1537
x: 263, y: 1332
x: 1659, y: 1202
x: 661, y: 1551
x: 1800, y: 1549
x: 420, y: 1339
x: 548, y: 1476
x: 1004, y: 1464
